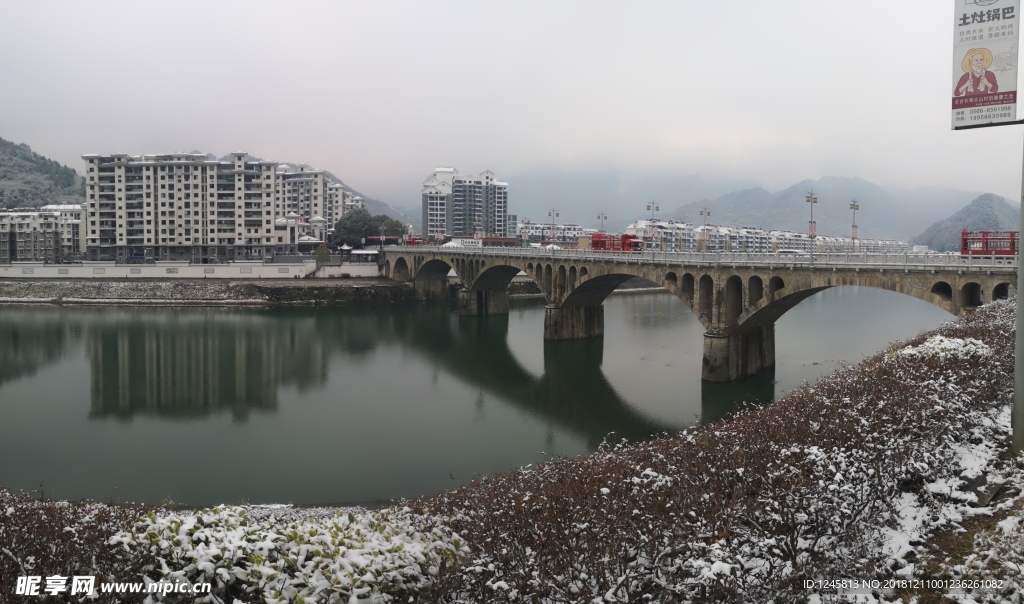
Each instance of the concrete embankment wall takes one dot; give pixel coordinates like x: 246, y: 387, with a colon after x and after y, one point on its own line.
x: 161, y: 270
x: 204, y: 293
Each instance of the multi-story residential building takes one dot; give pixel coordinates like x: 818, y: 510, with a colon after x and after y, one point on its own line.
x: 437, y: 204
x: 30, y: 237
x: 339, y: 203
x: 69, y: 220
x: 512, y: 225
x: 303, y: 191
x: 183, y: 206
x: 460, y: 205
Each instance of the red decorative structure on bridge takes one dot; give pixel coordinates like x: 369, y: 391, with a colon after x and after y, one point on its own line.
x: 615, y: 243
x: 989, y: 243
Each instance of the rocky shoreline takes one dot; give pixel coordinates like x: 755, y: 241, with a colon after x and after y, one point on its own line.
x: 305, y: 292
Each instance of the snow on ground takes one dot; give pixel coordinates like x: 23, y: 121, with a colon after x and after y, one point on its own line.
x: 286, y: 554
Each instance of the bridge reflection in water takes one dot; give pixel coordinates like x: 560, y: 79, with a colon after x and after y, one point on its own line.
x: 193, y: 363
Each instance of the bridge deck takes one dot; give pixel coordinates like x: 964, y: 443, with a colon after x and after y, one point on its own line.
x: 993, y: 263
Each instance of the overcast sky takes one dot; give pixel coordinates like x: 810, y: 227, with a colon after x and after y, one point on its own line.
x: 770, y: 92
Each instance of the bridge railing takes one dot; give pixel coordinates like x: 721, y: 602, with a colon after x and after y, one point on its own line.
x: 822, y: 260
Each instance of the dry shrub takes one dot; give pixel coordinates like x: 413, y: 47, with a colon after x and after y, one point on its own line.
x: 743, y: 510
x: 44, y: 538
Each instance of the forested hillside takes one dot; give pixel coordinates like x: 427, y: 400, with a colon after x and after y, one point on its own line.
x: 28, y: 179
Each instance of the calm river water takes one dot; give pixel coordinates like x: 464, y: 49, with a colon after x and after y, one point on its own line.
x: 328, y: 406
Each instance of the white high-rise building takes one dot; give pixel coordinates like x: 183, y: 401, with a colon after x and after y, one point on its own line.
x: 459, y: 205
x: 184, y: 206
x: 181, y: 206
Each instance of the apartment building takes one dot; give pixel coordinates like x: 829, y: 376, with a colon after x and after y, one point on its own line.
x: 182, y: 206
x: 459, y: 205
x: 69, y: 221
x: 30, y: 237
x: 339, y: 203
x: 302, y: 190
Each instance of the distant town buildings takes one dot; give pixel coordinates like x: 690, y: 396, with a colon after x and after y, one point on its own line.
x: 184, y: 206
x: 673, y: 236
x: 458, y: 205
x: 528, y: 230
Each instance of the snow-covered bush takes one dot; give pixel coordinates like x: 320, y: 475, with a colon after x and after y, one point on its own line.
x: 942, y: 347
x: 359, y: 555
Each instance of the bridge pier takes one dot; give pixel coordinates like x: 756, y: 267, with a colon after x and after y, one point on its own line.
x: 573, y: 322
x: 738, y: 355
x: 431, y: 290
x: 483, y: 302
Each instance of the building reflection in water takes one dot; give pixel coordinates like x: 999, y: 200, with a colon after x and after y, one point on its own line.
x: 189, y: 363
x: 196, y: 363
x: 30, y: 340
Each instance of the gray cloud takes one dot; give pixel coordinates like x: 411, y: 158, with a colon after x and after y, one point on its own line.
x: 381, y: 92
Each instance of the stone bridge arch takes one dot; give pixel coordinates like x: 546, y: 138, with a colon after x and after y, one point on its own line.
x: 737, y: 304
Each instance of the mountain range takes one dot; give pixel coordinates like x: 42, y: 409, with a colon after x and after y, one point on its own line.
x: 986, y: 213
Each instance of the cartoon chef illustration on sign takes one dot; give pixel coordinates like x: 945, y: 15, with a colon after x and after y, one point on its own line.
x: 977, y: 79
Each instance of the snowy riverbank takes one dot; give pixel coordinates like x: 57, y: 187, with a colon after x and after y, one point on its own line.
x: 894, y: 471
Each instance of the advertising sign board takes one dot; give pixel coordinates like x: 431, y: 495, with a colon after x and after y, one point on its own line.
x: 985, y: 49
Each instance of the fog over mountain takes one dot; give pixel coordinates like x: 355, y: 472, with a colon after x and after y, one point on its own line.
x: 885, y: 212
x: 623, y: 196
x: 986, y: 213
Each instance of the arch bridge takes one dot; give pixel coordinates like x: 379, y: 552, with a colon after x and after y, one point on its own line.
x: 738, y: 297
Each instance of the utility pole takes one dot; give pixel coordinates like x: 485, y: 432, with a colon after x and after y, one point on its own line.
x: 602, y: 217
x: 812, y: 228
x: 653, y: 207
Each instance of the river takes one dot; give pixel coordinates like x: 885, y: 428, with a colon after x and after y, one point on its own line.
x: 335, y: 406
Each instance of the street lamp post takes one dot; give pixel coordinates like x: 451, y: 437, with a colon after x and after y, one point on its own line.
x: 602, y: 217
x: 812, y: 228
x: 553, y: 213
x: 652, y: 207
x: 704, y: 212
x: 854, y: 206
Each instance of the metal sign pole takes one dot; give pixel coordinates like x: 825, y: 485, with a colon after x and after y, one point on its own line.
x: 1017, y: 413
